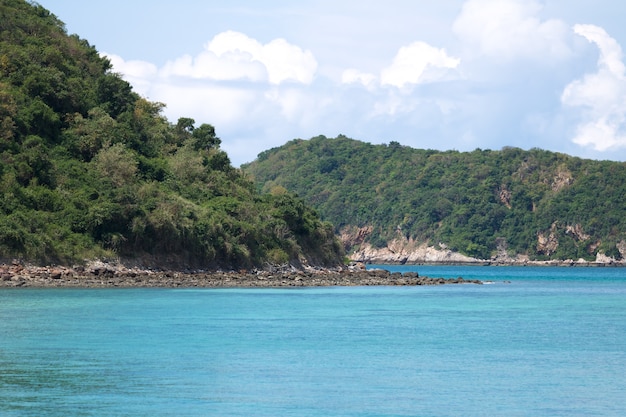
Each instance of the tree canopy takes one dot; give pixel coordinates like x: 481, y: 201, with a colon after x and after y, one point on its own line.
x: 88, y: 168
x: 472, y: 202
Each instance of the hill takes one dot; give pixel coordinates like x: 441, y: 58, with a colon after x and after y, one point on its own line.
x: 536, y: 204
x: 89, y: 169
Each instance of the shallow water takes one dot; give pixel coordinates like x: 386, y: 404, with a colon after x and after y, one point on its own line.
x: 537, y: 342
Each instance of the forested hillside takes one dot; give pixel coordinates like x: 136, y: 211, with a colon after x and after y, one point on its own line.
x: 542, y: 204
x: 90, y: 169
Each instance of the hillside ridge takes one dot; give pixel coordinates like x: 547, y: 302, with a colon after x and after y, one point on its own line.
x: 91, y: 170
x: 484, y: 204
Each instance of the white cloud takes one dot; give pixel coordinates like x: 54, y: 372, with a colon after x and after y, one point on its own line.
x: 417, y: 63
x: 511, y: 29
x: 354, y: 76
x: 222, y: 106
x: 297, y: 105
x: 207, y: 65
x: 139, y: 69
x: 259, y: 95
x: 234, y: 56
x: 137, y: 73
x: 265, y: 94
x: 602, y: 95
x: 243, y: 87
x: 231, y: 41
x: 286, y: 62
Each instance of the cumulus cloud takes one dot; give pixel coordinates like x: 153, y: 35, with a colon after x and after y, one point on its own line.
x: 259, y: 95
x: 354, y: 76
x: 237, y: 83
x: 511, y: 29
x: 207, y: 65
x: 138, y: 73
x: 232, y: 55
x: 286, y: 62
x: 223, y: 106
x: 602, y: 95
x: 264, y: 94
x: 418, y: 63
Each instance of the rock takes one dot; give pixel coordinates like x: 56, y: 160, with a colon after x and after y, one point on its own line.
x: 102, y: 275
x: 404, y: 251
x: 602, y: 258
x: 379, y: 272
x: 548, y: 244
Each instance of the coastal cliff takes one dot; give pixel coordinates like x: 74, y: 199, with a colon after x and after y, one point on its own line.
x: 405, y: 251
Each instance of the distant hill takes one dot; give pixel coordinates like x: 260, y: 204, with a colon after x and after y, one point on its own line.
x: 539, y: 204
x: 89, y: 169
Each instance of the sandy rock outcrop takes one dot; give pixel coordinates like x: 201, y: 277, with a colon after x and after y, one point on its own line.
x: 621, y: 247
x: 354, y: 236
x: 401, y: 252
x: 548, y: 243
x: 576, y: 231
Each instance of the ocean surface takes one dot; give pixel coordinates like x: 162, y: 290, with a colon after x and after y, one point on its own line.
x: 545, y: 341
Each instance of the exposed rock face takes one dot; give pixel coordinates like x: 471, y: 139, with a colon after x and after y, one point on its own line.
x: 354, y: 236
x: 577, y: 232
x: 621, y: 247
x: 547, y: 244
x: 406, y: 251
x: 602, y: 258
x: 505, y: 196
x: 562, y: 179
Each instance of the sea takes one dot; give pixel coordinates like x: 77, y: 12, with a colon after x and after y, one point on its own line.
x: 531, y: 341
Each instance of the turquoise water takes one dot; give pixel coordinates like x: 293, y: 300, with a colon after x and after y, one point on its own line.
x: 536, y: 342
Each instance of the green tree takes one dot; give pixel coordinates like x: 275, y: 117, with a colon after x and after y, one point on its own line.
x: 468, y: 201
x: 204, y: 137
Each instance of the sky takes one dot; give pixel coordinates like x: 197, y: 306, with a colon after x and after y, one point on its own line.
x: 445, y: 75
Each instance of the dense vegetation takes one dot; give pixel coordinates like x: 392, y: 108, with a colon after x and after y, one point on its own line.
x: 90, y: 169
x: 473, y: 202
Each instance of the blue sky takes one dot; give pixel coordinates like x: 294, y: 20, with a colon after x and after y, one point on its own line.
x: 453, y: 74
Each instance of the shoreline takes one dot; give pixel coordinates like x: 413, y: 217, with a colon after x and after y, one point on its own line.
x: 99, y: 274
x: 115, y: 276
x: 567, y: 263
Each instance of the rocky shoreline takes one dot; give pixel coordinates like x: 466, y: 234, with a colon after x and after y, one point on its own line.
x: 403, y: 252
x: 101, y: 275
